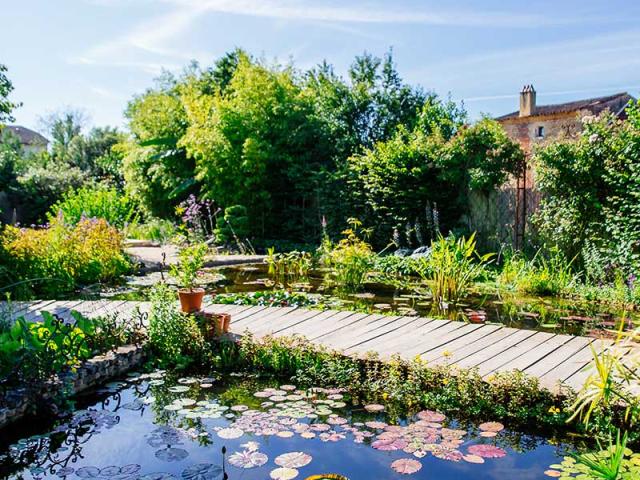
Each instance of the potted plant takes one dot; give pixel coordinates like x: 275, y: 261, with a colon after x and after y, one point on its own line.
x: 190, y: 261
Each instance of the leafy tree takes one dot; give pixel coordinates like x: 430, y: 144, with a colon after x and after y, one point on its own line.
x: 257, y: 145
x: 397, y: 182
x: 6, y: 106
x: 156, y: 169
x: 591, y: 194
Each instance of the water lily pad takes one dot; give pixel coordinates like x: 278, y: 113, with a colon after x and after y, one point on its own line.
x: 157, y: 476
x: 406, y: 466
x: 172, y: 454
x: 248, y: 459
x: 487, y: 451
x: 179, y: 389
x: 374, y: 408
x: 88, y: 472
x: 283, y: 473
x: 202, y: 471
x: 553, y: 473
x: 491, y: 427
x: 473, y: 458
x: 293, y: 459
x: 431, y: 416
x: 230, y: 433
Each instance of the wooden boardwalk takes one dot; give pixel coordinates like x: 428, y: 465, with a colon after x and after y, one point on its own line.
x: 553, y: 358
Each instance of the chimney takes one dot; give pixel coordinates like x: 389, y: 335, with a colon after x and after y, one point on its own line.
x: 527, y: 101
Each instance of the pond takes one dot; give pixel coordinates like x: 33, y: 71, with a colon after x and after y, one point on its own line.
x: 555, y: 315
x: 153, y: 427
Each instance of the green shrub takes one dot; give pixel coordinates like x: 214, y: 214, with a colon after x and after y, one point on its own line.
x: 174, y: 337
x: 190, y: 261
x: 233, y: 227
x: 95, y: 202
x: 155, y: 229
x: 57, y: 259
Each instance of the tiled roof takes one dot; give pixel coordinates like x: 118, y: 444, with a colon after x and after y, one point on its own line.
x: 26, y: 135
x: 615, y: 103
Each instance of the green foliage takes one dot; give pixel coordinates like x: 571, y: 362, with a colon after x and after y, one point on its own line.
x: 545, y: 274
x: 155, y: 229
x: 174, y: 337
x: 437, y: 163
x: 292, y: 266
x: 414, y: 384
x: 275, y: 298
x: 454, y: 266
x: 591, y: 187
x: 190, y: 262
x: 59, y: 258
x: 98, y: 201
x: 233, y: 227
x: 350, y: 260
x: 33, y: 351
x: 157, y: 172
x: 6, y: 106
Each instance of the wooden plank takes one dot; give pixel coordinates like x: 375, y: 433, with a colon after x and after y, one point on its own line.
x: 292, y: 319
x: 323, y: 328
x: 434, y: 355
x: 526, y: 359
x: 573, y: 370
x: 443, y: 341
x: 372, y: 328
x: 388, y: 339
x: 267, y: 315
x: 504, y: 360
x: 376, y: 336
x: 433, y: 339
x: 556, y: 360
x: 494, y: 349
x: 368, y: 323
x: 275, y: 317
x: 474, y: 346
x: 395, y: 340
x: 308, y: 326
x: 31, y: 310
x: 236, y: 319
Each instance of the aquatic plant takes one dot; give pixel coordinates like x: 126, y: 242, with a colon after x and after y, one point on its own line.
x: 289, y: 266
x: 454, y: 266
x: 350, y: 260
x: 269, y: 298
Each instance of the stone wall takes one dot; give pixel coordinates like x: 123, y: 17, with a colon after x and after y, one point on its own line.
x: 19, y: 402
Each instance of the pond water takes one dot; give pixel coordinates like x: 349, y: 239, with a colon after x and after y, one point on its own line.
x: 150, y: 427
x: 537, y: 313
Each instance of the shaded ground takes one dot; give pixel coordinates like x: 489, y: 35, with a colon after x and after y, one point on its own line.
x: 152, y: 257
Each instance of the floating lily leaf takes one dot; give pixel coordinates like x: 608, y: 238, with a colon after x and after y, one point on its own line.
x: 473, y: 458
x: 172, y: 454
x: 488, y: 434
x: 63, y: 472
x: 157, y: 476
x: 248, y: 459
x: 486, y: 451
x: 202, y: 471
x: 491, y: 427
x: 553, y: 473
x: 431, y: 416
x: 389, y: 445
x: 406, y: 466
x: 374, y: 408
x: 251, y: 446
x: 179, y: 389
x: 376, y: 425
x: 230, y: 433
x: 283, y: 473
x: 88, y: 472
x: 293, y: 459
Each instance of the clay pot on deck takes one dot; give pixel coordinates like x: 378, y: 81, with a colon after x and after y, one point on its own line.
x: 215, y: 324
x: 191, y: 299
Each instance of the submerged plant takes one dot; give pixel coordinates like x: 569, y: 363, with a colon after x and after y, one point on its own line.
x: 292, y: 266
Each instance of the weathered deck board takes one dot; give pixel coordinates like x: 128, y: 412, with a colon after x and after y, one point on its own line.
x: 552, y: 358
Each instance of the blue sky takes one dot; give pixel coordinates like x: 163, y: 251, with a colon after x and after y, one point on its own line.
x: 96, y: 54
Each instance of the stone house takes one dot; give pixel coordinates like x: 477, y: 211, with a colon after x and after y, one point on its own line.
x: 533, y: 125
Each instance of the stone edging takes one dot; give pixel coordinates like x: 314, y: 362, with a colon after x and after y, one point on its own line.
x: 92, y: 372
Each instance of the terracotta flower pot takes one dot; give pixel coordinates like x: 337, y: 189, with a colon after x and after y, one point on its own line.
x: 191, y: 299
x: 222, y: 323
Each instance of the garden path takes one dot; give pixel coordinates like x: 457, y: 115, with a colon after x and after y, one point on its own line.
x: 557, y: 360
